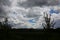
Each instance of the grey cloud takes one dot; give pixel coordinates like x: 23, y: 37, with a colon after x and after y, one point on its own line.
x: 30, y: 3
x: 53, y: 2
x: 57, y: 25
x: 5, y: 2
x: 2, y: 12
x: 32, y: 15
x: 19, y: 25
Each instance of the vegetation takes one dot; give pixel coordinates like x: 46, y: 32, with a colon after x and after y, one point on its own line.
x: 26, y: 34
x: 48, y: 23
x: 4, y: 25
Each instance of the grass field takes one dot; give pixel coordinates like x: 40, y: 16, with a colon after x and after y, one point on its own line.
x: 30, y: 34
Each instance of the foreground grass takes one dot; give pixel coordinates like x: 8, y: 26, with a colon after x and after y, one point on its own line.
x: 30, y: 34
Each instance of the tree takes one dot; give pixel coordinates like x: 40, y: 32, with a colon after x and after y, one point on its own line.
x: 48, y: 23
x: 5, y: 25
x: 0, y: 25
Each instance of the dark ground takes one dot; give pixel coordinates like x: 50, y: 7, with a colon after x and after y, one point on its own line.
x: 30, y: 34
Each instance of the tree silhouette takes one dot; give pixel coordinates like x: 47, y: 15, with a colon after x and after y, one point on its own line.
x: 0, y: 25
x: 48, y: 23
x: 5, y: 25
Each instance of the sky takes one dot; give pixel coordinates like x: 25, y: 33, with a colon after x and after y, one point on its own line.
x: 29, y: 13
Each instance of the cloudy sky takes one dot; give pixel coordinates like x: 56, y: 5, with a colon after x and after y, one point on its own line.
x: 29, y: 13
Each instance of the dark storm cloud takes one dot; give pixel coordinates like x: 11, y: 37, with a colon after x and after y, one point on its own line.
x: 5, y: 2
x: 2, y: 12
x: 30, y: 3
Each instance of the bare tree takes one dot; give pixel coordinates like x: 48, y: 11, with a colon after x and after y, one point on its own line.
x: 48, y: 23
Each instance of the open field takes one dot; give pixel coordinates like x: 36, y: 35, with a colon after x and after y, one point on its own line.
x: 29, y: 34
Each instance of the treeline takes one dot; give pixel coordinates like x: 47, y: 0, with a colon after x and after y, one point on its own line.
x: 4, y: 25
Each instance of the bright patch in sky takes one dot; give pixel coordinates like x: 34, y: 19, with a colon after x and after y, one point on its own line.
x: 32, y: 21
x: 54, y: 11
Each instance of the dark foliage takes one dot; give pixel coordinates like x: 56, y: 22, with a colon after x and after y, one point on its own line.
x: 4, y: 25
x: 30, y: 34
